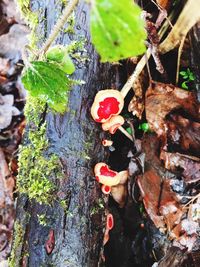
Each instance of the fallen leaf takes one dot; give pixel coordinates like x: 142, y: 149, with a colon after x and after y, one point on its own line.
x: 136, y: 105
x: 14, y: 41
x: 161, y: 203
x: 165, y: 3
x: 161, y: 99
x: 7, y: 110
x: 183, y: 134
x: 187, y: 166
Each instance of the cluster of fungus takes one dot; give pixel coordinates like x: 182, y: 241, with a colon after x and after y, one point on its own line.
x: 106, y: 108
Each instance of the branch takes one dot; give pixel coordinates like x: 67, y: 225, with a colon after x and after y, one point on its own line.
x: 59, y: 25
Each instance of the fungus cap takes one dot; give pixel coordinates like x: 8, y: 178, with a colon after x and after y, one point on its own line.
x: 113, y: 124
x: 106, y: 176
x: 106, y: 142
x: 106, y: 189
x: 106, y: 104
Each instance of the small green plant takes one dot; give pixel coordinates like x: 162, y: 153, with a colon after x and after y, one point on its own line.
x: 129, y: 130
x: 187, y: 76
x: 42, y: 219
x: 144, y: 127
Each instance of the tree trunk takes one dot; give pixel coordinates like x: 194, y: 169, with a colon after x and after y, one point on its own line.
x: 76, y: 139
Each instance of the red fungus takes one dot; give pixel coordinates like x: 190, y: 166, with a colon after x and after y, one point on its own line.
x: 106, y: 142
x: 106, y: 104
x: 106, y: 189
x: 109, y: 226
x: 113, y: 124
x: 50, y: 243
x: 105, y: 171
x: 106, y: 176
x: 110, y: 221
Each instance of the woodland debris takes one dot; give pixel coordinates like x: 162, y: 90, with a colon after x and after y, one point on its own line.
x: 12, y: 42
x: 7, y: 110
x: 161, y: 99
x: 187, y: 166
x: 136, y: 105
x: 7, y: 184
x: 165, y: 4
x: 188, y: 18
x: 183, y: 134
x: 161, y: 202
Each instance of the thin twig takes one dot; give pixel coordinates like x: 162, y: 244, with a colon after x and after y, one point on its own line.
x: 125, y: 133
x: 162, y: 10
x: 180, y: 49
x: 59, y: 25
x: 192, y: 200
x: 128, y: 85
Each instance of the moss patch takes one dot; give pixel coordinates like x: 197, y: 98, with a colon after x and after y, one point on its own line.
x: 36, y: 169
x: 14, y: 260
x: 31, y: 18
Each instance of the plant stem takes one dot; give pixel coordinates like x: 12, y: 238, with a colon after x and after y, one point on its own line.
x: 180, y: 49
x: 128, y: 85
x: 125, y: 133
x: 60, y: 23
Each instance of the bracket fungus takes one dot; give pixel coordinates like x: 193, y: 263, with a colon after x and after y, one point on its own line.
x: 106, y: 104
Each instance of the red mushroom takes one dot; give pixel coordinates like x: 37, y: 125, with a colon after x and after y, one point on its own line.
x: 106, y: 176
x: 106, y: 189
x: 106, y: 104
x: 106, y: 142
x: 109, y: 226
x: 115, y: 123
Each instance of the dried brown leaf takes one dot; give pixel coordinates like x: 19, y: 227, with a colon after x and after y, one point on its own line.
x: 161, y: 99
x: 189, y: 167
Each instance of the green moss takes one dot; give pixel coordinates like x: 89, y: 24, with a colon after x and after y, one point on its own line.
x: 31, y: 18
x: 36, y: 170
x: 42, y: 219
x: 70, y: 24
x: 14, y: 259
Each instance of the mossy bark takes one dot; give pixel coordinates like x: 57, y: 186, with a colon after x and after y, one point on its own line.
x: 75, y: 215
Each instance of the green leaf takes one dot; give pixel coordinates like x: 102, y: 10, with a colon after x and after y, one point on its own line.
x: 184, y: 85
x: 183, y: 73
x: 129, y: 130
x: 49, y: 82
x: 59, y: 54
x: 191, y: 77
x: 117, y: 29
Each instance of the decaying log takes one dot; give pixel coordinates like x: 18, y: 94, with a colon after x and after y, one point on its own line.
x: 76, y: 139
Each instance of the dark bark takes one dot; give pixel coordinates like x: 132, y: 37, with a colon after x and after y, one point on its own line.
x: 76, y: 139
